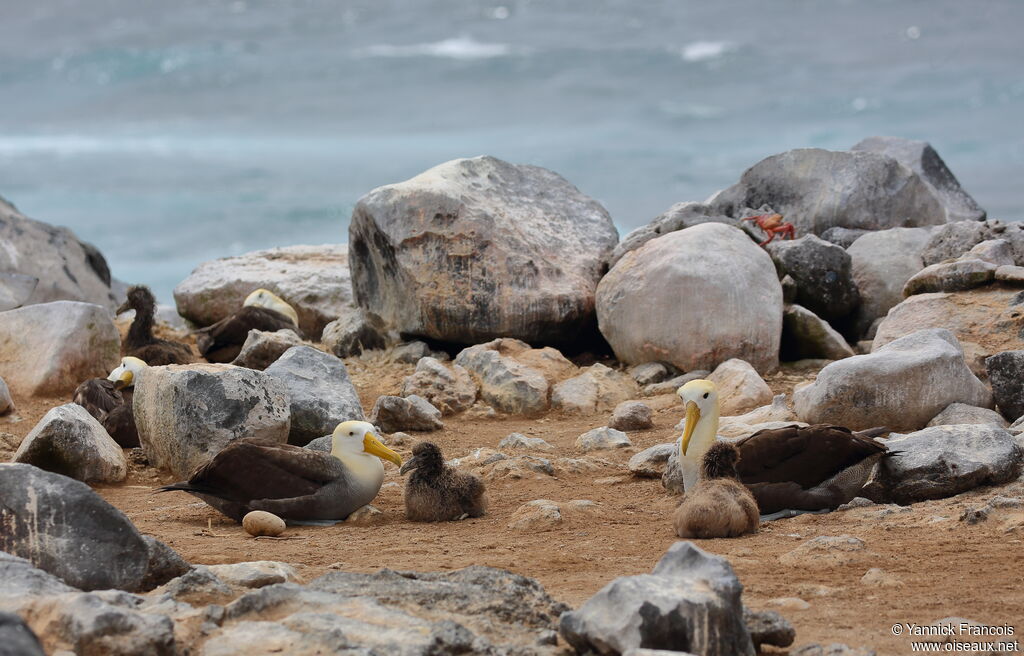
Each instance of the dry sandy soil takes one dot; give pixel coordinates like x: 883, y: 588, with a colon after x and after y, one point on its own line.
x: 938, y: 565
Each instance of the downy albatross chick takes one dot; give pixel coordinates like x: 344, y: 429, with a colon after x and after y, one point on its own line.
x: 436, y: 492
x: 140, y: 342
x: 109, y: 401
x: 719, y: 506
x: 261, y: 310
x: 292, y: 482
x: 794, y: 468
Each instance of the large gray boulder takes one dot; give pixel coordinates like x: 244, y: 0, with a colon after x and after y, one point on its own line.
x: 678, y: 217
x: 822, y: 272
x: 44, y: 263
x: 881, y: 263
x: 694, y: 298
x: 476, y: 249
x: 69, y: 441
x: 986, y: 321
x: 186, y: 414
x: 901, y: 385
x: 818, y: 189
x: 49, y: 348
x: 942, y: 461
x: 66, y: 529
x: 921, y: 158
x: 690, y: 602
x: 1006, y: 374
x: 320, y: 393
x: 312, y: 279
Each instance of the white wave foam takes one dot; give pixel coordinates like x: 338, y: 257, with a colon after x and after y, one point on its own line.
x: 705, y: 50
x: 72, y: 144
x: 462, y: 47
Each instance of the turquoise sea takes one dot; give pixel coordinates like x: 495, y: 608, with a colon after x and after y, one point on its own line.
x: 169, y: 133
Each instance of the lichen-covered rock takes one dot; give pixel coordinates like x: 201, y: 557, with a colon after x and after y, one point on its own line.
x: 49, y: 348
x: 69, y: 441
x: 187, y: 413
x: 986, y: 321
x: 476, y: 249
x: 262, y: 348
x: 806, y: 335
x: 740, y: 388
x: 690, y: 602
x: 942, y: 461
x: 921, y: 158
x: 631, y: 416
x: 320, y: 393
x: 732, y: 306
x: 450, y: 389
x: 312, y: 279
x: 822, y: 272
x: 1006, y: 375
x: 46, y: 263
x: 597, y: 388
x: 881, y: 264
x: 602, y: 438
x: 66, y: 529
x: 955, y: 276
x: 505, y: 384
x: 355, y: 332
x: 412, y: 413
x: 901, y: 385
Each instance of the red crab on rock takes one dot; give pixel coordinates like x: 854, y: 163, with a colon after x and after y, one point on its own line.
x: 772, y: 224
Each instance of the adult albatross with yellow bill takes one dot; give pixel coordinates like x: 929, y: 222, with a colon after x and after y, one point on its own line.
x: 291, y: 482
x: 789, y: 469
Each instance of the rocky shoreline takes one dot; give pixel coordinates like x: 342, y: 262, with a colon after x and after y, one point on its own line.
x: 506, y: 293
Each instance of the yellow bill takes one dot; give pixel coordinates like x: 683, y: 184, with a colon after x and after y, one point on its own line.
x: 374, y: 446
x: 692, y: 417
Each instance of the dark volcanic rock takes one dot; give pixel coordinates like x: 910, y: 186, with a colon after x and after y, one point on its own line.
x: 164, y: 564
x: 822, y: 272
x: 66, y: 529
x: 768, y: 628
x: 1006, y: 375
x: 476, y: 249
x: 818, y: 189
x: 16, y: 639
x: 322, y: 395
x: 690, y: 602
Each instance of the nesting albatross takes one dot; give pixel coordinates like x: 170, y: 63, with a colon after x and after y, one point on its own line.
x: 109, y: 401
x: 789, y: 469
x: 719, y: 506
x: 291, y: 482
x: 261, y: 310
x: 140, y: 342
x: 437, y: 493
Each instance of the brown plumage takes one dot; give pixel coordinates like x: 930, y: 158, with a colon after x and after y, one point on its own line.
x: 436, y: 492
x: 110, y: 406
x: 222, y: 341
x: 140, y: 341
x: 807, y: 467
x: 719, y: 506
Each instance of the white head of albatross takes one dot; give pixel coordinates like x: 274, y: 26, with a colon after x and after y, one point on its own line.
x: 265, y: 298
x: 355, y: 445
x: 700, y: 399
x: 125, y: 374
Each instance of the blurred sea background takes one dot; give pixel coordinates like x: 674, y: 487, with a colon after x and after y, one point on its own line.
x: 169, y: 133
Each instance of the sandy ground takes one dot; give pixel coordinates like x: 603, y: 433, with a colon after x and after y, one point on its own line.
x: 938, y: 566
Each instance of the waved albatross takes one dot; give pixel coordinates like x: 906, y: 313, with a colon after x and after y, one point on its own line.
x: 719, y: 506
x: 788, y: 470
x: 292, y: 482
x: 261, y: 310
x: 109, y: 401
x: 140, y: 342
x: 436, y: 492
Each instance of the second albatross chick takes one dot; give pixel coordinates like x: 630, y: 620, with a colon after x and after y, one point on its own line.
x: 719, y: 506
x: 140, y: 342
x: 436, y: 492
x: 292, y: 482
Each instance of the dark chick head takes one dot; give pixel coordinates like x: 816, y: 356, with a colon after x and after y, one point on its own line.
x: 139, y: 297
x: 426, y: 456
x: 720, y: 461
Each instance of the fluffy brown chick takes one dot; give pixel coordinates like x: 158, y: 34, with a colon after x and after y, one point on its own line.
x: 719, y: 506
x: 436, y: 492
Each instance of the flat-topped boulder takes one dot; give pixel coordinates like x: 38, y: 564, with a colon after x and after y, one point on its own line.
x: 49, y: 348
x: 312, y: 279
x: 475, y: 249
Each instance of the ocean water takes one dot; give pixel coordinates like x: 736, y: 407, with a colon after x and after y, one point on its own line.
x: 169, y: 133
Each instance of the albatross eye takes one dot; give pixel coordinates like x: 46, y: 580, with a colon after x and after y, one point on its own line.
x: 351, y: 433
x: 706, y: 395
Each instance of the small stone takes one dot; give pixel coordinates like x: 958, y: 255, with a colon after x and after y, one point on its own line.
x: 788, y: 603
x: 880, y: 578
x: 263, y: 348
x: 834, y: 649
x: 954, y: 276
x: 366, y: 516
x: 254, y: 574
x: 411, y: 413
x: 649, y: 373
x: 825, y: 551
x: 410, y: 352
x: 602, y: 438
x: 518, y: 441
x: 856, y: 502
x: 631, y: 416
x: 260, y: 522
x: 1011, y: 275
x: 651, y: 462
x: 536, y: 515
x: 69, y: 441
